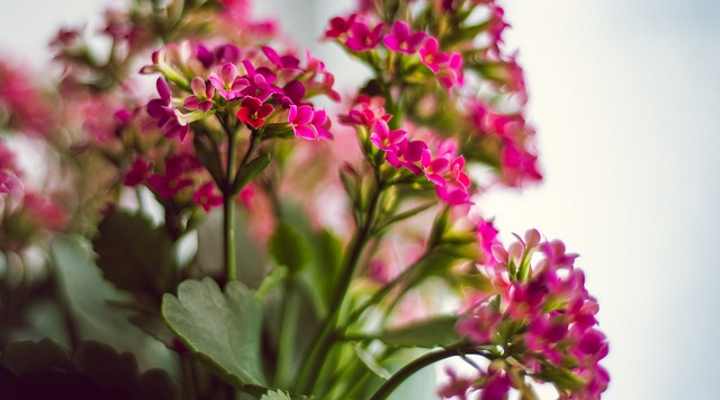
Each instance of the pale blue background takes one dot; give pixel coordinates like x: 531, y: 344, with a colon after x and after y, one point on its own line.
x: 625, y: 94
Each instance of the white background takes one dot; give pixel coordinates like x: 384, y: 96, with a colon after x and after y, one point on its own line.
x: 625, y: 95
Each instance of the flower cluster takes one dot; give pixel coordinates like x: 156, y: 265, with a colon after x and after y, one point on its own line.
x: 25, y: 108
x: 540, y: 313
x: 513, y: 136
x: 256, y: 85
x: 359, y: 34
x: 441, y: 165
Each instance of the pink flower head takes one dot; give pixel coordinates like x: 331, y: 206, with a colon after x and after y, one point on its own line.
x: 201, y: 98
x: 227, y: 82
x: 480, y: 324
x: 432, y: 56
x: 138, y: 172
x: 518, y: 165
x: 319, y: 79
x: 175, y: 178
x: 407, y: 154
x: 487, y: 236
x: 384, y: 138
x: 10, y: 183
x: 362, y: 38
x: 401, y: 39
x: 44, y: 211
x: 258, y: 82
x: 451, y: 73
x: 497, y: 386
x: 339, y: 26
x: 207, y: 196
x: 308, y: 123
x: 366, y: 111
x: 161, y: 109
x: 253, y: 112
x: 457, y: 387
x: 286, y: 61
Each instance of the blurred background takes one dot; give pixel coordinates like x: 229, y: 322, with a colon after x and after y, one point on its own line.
x: 624, y: 95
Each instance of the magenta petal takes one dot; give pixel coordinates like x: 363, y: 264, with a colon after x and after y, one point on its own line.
x: 306, y: 132
x: 163, y: 89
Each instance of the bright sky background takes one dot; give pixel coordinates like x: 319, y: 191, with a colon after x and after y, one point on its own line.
x: 625, y: 95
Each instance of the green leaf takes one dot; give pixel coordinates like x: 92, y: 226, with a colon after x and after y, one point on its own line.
x: 133, y: 254
x: 271, y: 281
x: 288, y: 247
x: 405, y: 215
x: 222, y: 327
x: 96, y: 370
x: 276, y: 130
x: 433, y: 332
x: 27, y: 356
x: 275, y: 395
x: 250, y: 170
x: 561, y: 377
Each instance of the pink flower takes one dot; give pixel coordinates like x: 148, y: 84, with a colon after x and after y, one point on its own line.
x: 138, y: 172
x: 361, y: 38
x: 432, y: 56
x: 175, y: 178
x: 227, y: 82
x: 202, y: 95
x: 401, y: 39
x: 339, y: 26
x: 384, y: 138
x: 44, y: 211
x: 161, y: 109
x: 300, y: 119
x: 480, y: 324
x: 447, y: 67
x: 407, y: 154
x: 207, y: 196
x: 457, y: 387
x: 10, y: 183
x: 286, y: 61
x: 366, y: 111
x: 451, y: 72
x: 497, y: 386
x: 253, y: 112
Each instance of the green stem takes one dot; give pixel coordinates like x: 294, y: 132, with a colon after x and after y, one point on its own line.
x: 430, y: 358
x: 324, y: 340
x: 229, y: 211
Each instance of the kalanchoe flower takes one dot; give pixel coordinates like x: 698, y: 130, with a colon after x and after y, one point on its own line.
x: 161, y: 109
x: 226, y: 82
x: 309, y: 124
x: 366, y: 111
x: 339, y: 26
x: 386, y: 139
x: 207, y: 196
x: 286, y: 61
x: 362, y: 38
x: 457, y: 387
x: 10, y: 184
x: 253, y: 112
x: 432, y: 56
x: 138, y: 172
x: 401, y: 39
x: 176, y: 175
x: 201, y: 98
x: 553, y: 313
x: 44, y: 212
x: 447, y: 67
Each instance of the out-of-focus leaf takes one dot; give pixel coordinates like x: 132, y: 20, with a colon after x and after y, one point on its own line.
x: 271, y: 281
x: 276, y: 130
x: 276, y: 395
x: 371, y: 363
x: 26, y: 356
x: 288, y: 247
x: 43, y: 370
x: 133, y: 254
x: 561, y: 377
x: 433, y: 332
x: 89, y: 295
x: 222, y: 327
